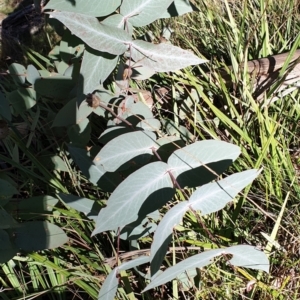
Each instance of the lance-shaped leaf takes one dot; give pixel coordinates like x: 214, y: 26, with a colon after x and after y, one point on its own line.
x: 178, y: 8
x: 118, y: 21
x: 142, y: 192
x: 201, y: 162
x: 96, y: 174
x: 110, y: 286
x: 32, y: 74
x: 113, y: 132
x: 89, y: 207
x: 163, y: 57
x: 126, y: 147
x: 243, y: 256
x: 208, y: 199
x: 4, y: 107
x: 7, y: 190
x: 141, y: 13
x: 6, y: 220
x: 95, y: 68
x: 18, y: 73
x: 164, y: 230
x: 214, y: 196
x: 96, y: 8
x: 98, y: 36
x: 38, y: 235
x: 22, y: 99
x: 31, y: 207
x: 134, y: 263
x: 7, y: 250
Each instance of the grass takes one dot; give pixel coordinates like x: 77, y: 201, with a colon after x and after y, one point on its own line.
x: 225, y: 33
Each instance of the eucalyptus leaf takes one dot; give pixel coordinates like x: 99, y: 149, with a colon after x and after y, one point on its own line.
x: 55, y: 86
x: 18, y: 73
x: 95, y: 68
x: 118, y: 21
x: 38, y: 235
x: 141, y: 13
x: 95, y: 174
x: 137, y: 229
x: 6, y: 220
x: 7, y: 190
x: 4, y: 107
x: 151, y: 124
x: 80, y: 133
x: 96, y: 8
x: 22, y: 99
x: 179, y: 8
x: 89, y: 207
x: 243, y: 256
x: 109, y: 286
x: 167, y: 145
x: 135, y: 146
x: 141, y: 193
x: 7, y: 250
x: 113, y: 132
x: 53, y: 162
x: 163, y: 57
x: 214, y: 196
x: 165, y: 228
x: 67, y: 115
x: 134, y: 263
x: 31, y: 208
x: 208, y: 198
x: 202, y: 161
x: 98, y: 36
x: 32, y: 74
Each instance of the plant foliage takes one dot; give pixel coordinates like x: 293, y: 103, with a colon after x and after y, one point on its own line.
x: 140, y: 165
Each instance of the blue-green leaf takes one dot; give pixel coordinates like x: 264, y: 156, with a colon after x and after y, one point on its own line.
x: 7, y: 190
x: 7, y: 250
x: 151, y: 124
x: 110, y: 285
x: 54, y: 85
x: 95, y: 174
x: 32, y: 74
x: 136, y: 146
x: 166, y: 225
x: 38, y: 235
x: 214, y: 196
x: 208, y: 199
x: 95, y: 68
x: 142, y: 192
x: 163, y: 57
x: 96, y: 8
x: 4, y: 107
x: 179, y: 8
x: 6, y: 220
x: 80, y: 133
x: 141, y: 13
x: 22, y: 99
x: 118, y: 21
x: 134, y: 263
x: 31, y: 208
x: 89, y: 207
x: 98, y: 36
x: 18, y: 73
x: 201, y: 162
x: 66, y: 115
x: 113, y: 132
x: 243, y: 256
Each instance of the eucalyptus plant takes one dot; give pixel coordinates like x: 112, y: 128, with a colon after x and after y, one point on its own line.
x: 141, y: 166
